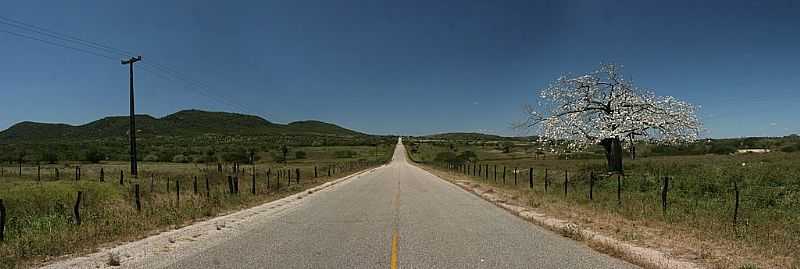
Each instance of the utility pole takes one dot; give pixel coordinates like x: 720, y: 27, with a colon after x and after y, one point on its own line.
x: 132, y: 131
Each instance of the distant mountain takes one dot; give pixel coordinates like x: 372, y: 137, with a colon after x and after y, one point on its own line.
x: 472, y: 137
x: 186, y: 123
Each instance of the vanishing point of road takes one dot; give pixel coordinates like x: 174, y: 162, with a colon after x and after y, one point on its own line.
x: 398, y: 216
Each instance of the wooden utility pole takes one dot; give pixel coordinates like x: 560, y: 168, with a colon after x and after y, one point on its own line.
x: 132, y: 131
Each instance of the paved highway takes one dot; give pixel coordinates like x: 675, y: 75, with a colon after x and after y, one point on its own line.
x: 398, y: 216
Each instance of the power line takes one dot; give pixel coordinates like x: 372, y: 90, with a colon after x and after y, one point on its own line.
x: 64, y: 37
x: 161, y: 70
x: 59, y: 45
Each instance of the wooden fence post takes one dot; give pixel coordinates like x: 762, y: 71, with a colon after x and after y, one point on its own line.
x: 516, y: 170
x: 236, y: 184
x: 504, y: 175
x: 167, y: 184
x: 194, y: 185
x: 121, y: 177
x: 102, y: 175
x: 2, y: 221
x: 546, y: 180
x: 530, y: 177
x: 152, y: 183
x: 38, y: 173
x: 208, y: 188
x: 736, y: 204
x: 136, y: 196
x: 591, y: 185
x: 77, y: 209
x: 495, y: 173
x: 253, y: 183
x: 664, y: 190
x: 315, y: 171
x: 297, y: 172
x: 619, y: 190
x: 269, y: 170
x: 178, y: 192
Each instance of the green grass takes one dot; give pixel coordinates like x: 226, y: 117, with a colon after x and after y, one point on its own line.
x: 700, y: 197
x: 40, y: 221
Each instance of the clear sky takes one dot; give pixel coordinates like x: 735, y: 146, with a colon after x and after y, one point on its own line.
x: 401, y: 67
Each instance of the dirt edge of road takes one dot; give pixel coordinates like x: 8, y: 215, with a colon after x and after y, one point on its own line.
x: 642, y: 256
x: 186, y: 238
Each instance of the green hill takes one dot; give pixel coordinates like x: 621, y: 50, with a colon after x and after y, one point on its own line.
x: 182, y: 124
x: 472, y: 137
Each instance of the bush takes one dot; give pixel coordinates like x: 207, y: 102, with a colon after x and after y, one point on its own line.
x: 444, y: 156
x: 239, y: 156
x: 467, y: 156
x: 722, y: 149
x: 151, y: 158
x: 49, y: 157
x: 345, y: 154
x: 180, y: 158
x: 791, y: 148
x: 299, y: 154
x: 94, y: 156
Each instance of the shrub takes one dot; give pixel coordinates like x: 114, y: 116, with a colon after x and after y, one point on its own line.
x: 151, y: 158
x: 444, y: 156
x: 467, y: 156
x: 345, y: 154
x: 791, y: 148
x: 180, y: 158
x: 94, y: 156
x: 49, y: 157
x: 722, y: 149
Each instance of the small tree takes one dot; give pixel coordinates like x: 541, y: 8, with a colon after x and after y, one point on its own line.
x: 94, y: 155
x: 49, y: 157
x: 603, y: 108
x: 506, y: 147
x: 284, y: 150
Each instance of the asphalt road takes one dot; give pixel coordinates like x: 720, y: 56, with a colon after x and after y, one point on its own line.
x: 398, y: 216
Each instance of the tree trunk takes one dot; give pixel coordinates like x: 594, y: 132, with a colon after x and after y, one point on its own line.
x: 613, y: 149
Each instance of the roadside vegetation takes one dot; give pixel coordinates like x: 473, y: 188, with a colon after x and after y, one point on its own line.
x: 701, y: 221
x: 41, y: 223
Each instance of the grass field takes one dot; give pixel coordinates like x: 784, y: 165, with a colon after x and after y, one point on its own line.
x: 701, y: 197
x: 40, y: 222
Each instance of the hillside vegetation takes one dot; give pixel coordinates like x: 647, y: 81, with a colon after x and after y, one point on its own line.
x: 189, y: 136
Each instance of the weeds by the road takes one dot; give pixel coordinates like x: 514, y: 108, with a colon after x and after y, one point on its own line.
x: 699, y: 221
x: 40, y: 220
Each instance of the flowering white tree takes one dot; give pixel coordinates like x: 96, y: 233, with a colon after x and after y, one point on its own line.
x: 603, y: 108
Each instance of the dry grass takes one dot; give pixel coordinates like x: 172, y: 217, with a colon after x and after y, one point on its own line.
x: 678, y: 240
x: 40, y: 222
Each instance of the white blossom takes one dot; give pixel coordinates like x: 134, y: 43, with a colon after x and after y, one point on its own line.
x: 586, y: 109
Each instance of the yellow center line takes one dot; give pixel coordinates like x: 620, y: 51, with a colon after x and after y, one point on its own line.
x: 394, y: 248
x: 395, y: 232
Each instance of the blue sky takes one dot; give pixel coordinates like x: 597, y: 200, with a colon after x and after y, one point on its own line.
x: 402, y: 67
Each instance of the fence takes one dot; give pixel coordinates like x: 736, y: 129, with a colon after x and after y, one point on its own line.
x: 264, y: 180
x: 669, y: 193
